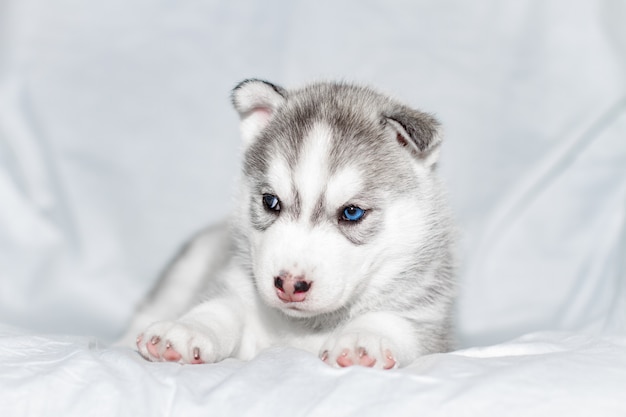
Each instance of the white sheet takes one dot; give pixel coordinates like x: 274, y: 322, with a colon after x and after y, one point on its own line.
x: 544, y: 374
x: 117, y: 141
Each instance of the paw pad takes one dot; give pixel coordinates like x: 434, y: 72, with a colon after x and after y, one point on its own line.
x: 176, y: 342
x: 358, y: 349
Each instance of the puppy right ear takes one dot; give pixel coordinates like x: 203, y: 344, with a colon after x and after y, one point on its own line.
x: 256, y: 102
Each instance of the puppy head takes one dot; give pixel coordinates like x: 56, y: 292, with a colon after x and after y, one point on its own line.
x: 338, y: 184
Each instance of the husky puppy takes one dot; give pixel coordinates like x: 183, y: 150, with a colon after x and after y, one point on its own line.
x: 340, y: 244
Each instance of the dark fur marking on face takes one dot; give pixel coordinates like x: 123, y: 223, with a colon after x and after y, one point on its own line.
x: 296, y: 209
x: 260, y: 218
x: 319, y: 210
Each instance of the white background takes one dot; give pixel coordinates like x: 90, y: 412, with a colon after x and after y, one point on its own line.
x: 117, y: 141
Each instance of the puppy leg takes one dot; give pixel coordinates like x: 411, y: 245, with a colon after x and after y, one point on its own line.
x: 381, y: 340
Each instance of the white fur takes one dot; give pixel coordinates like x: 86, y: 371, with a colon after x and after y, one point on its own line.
x: 344, y: 186
x: 312, y: 170
x: 279, y: 180
x: 317, y: 253
x: 320, y: 256
x: 256, y: 104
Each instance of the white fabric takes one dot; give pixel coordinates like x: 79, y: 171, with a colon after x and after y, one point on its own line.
x: 117, y: 141
x: 539, y: 375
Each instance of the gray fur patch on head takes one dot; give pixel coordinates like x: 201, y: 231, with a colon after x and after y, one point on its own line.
x: 359, y: 119
x: 357, y: 115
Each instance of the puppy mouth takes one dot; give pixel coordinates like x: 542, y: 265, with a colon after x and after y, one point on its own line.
x: 297, y: 309
x: 296, y: 306
x: 304, y: 309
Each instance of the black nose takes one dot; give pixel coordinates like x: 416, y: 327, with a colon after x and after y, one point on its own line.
x: 301, y: 286
x: 278, y: 283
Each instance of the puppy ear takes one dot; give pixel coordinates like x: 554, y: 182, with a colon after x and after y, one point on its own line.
x: 256, y: 102
x: 419, y: 132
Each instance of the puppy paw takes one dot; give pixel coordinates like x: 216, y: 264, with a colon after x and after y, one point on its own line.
x: 358, y: 348
x: 175, y: 341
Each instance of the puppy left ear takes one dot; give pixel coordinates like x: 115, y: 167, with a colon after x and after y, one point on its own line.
x: 256, y: 101
x: 419, y: 132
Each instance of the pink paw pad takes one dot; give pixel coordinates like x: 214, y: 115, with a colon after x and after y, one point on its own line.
x: 170, y: 354
x: 390, y: 361
x: 361, y: 358
x: 153, y: 346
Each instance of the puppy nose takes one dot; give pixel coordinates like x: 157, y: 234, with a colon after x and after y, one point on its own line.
x: 278, y: 283
x: 301, y: 286
x: 291, y: 289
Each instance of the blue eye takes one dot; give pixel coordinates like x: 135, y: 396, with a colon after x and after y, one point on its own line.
x: 271, y: 202
x: 352, y: 213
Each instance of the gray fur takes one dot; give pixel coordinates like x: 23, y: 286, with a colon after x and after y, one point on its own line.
x: 357, y: 115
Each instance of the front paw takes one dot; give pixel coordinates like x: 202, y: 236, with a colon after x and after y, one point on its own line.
x: 358, y: 348
x: 175, y: 341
